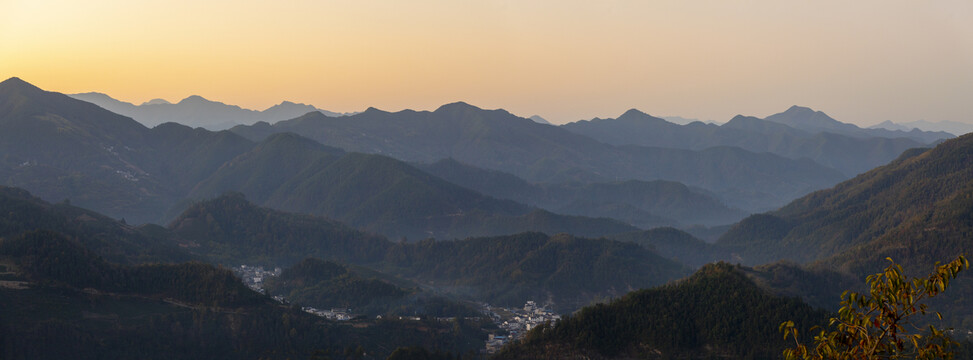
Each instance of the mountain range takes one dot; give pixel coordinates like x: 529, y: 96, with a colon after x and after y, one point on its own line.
x: 952, y: 127
x: 104, y: 161
x: 196, y: 111
x: 498, y: 140
x: 796, y: 133
x: 498, y: 208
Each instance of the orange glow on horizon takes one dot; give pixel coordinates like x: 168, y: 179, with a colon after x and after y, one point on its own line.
x: 861, y: 62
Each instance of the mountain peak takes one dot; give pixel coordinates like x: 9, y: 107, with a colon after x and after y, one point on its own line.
x: 638, y: 115
x: 540, y: 120
x: 457, y: 106
x: 633, y: 112
x: 195, y: 99
x: 17, y: 83
x: 798, y: 109
x: 156, y: 102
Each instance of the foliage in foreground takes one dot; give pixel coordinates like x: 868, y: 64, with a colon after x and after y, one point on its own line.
x: 883, y: 324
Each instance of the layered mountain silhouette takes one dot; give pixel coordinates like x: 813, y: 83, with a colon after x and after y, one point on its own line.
x: 506, y: 269
x: 866, y: 210
x: 498, y: 140
x: 952, y: 127
x: 645, y: 204
x: 196, y: 111
x: 796, y: 133
x: 65, y: 149
x: 380, y: 194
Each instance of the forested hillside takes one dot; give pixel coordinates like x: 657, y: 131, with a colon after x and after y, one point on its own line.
x: 58, y: 299
x: 880, y: 203
x: 717, y: 312
x: 506, y: 270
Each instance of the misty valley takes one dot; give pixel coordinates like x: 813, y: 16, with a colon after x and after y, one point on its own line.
x: 201, y: 230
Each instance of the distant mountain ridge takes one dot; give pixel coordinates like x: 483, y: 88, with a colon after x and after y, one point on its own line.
x: 645, y: 204
x: 498, y: 140
x: 62, y: 148
x: 796, y: 133
x: 196, y: 111
x: 952, y: 127
x: 380, y: 194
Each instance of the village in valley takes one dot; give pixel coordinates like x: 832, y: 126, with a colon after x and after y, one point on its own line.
x: 513, y: 323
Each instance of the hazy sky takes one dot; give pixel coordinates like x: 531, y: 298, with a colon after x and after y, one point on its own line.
x: 859, y: 61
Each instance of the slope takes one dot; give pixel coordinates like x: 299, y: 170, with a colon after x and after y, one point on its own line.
x: 855, y: 212
x: 717, y: 312
x: 62, y: 148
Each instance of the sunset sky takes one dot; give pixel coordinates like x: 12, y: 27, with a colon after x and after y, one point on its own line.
x: 859, y: 61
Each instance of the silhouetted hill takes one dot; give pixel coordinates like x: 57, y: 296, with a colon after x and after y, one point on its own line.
x: 644, y: 204
x: 379, y: 194
x: 717, y: 312
x: 61, y: 148
x: 196, y: 111
x: 498, y: 140
x: 797, y: 133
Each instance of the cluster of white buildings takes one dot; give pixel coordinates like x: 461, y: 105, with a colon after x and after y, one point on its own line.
x: 333, y: 314
x: 254, y: 276
x: 517, y: 322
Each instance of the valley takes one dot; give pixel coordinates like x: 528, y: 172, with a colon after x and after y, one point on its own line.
x: 371, y: 234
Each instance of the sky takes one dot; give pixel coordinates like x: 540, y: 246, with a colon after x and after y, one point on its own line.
x: 861, y: 62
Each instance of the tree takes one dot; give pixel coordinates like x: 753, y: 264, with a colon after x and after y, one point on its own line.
x: 883, y: 324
